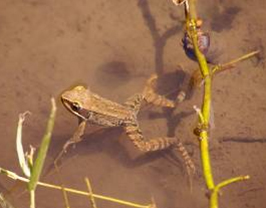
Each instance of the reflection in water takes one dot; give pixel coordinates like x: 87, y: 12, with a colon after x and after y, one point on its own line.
x: 223, y: 19
x: 113, y: 74
x: 159, y: 41
x: 243, y: 140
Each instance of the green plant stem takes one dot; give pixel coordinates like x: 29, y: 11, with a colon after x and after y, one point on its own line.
x: 215, y: 192
x: 32, y: 198
x: 192, y: 9
x: 206, y: 106
x: 204, y: 117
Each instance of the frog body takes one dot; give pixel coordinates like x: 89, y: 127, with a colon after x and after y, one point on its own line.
x: 92, y: 108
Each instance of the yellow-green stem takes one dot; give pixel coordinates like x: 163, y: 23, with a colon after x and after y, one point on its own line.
x: 215, y: 192
x: 204, y: 116
x: 222, y: 67
x: 205, y: 160
x: 192, y: 9
x: 32, y: 198
x: 67, y: 204
x: 206, y: 106
x: 244, y: 57
x: 94, y: 195
x: 92, y: 200
x: 26, y: 180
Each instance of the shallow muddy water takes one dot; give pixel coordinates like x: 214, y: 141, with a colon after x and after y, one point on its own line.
x: 113, y: 47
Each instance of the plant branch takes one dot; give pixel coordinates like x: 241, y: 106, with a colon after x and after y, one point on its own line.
x: 230, y: 64
x: 191, y: 19
x: 75, y: 191
x: 215, y: 192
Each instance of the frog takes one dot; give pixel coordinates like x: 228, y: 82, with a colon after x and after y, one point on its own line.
x: 91, y: 108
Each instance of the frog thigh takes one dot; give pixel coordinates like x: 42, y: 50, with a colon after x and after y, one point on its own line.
x: 134, y: 102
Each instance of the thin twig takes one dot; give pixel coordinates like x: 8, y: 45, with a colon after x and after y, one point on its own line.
x: 92, y: 200
x: 231, y: 64
x: 66, y: 200
x: 4, y: 203
x: 65, y: 196
x: 75, y: 191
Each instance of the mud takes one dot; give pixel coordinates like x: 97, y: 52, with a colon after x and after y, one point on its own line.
x: 113, y: 47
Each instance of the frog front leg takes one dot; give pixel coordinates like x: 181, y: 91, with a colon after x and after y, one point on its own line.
x: 77, y: 136
x: 151, y: 96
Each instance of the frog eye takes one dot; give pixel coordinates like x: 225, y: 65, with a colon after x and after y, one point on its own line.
x: 75, y: 106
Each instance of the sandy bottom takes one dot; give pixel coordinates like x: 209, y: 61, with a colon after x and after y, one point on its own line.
x: 113, y: 47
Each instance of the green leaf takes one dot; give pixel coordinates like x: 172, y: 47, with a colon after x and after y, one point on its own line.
x: 38, y: 163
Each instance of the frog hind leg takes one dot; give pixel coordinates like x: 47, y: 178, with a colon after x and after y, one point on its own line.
x: 190, y: 166
x: 134, y: 102
x: 137, y: 138
x: 152, y: 97
x: 135, y: 134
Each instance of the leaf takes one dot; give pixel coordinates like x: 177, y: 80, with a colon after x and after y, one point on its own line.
x: 21, y: 155
x: 38, y: 163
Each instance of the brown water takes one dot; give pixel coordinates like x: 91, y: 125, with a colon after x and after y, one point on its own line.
x: 113, y: 47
